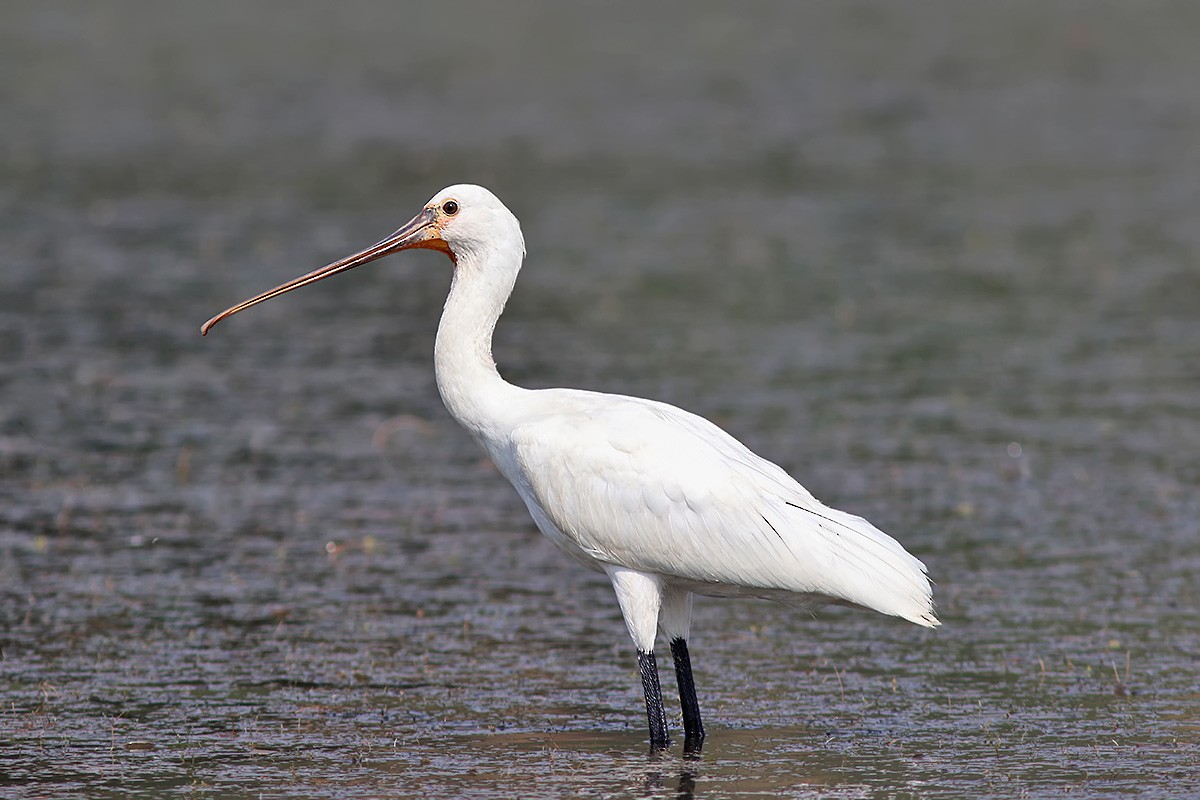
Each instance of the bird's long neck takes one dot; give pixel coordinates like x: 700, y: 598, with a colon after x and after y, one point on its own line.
x: 471, y: 387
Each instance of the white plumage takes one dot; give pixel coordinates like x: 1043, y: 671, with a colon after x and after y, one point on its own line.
x: 650, y: 487
x: 663, y: 501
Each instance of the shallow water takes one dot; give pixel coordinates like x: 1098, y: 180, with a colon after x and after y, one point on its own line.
x: 942, y: 266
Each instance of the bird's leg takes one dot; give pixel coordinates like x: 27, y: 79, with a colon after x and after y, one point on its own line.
x: 640, y: 596
x: 693, y: 728
x: 656, y: 715
x: 675, y: 620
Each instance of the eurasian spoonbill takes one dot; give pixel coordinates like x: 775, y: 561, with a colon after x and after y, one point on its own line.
x: 663, y: 501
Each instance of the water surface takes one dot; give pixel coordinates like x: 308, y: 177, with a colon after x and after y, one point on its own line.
x: 941, y: 265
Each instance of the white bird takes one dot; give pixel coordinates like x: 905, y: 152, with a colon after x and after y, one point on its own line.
x: 663, y: 501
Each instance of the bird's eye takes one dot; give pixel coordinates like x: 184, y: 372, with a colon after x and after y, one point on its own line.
x: 450, y: 208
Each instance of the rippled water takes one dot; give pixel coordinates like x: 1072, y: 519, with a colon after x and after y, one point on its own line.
x: 940, y: 263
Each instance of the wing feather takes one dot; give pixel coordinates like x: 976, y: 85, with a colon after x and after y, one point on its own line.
x: 651, y: 487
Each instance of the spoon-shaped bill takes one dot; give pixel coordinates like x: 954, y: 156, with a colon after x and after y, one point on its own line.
x: 421, y: 231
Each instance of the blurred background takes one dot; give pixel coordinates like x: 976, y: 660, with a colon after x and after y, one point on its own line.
x: 940, y: 262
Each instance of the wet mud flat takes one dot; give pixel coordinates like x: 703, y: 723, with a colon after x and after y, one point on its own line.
x: 940, y: 266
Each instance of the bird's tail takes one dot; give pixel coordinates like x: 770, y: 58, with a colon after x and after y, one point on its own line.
x: 887, y: 578
x: 849, y: 561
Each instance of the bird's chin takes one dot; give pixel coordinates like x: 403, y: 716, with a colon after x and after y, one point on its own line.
x: 438, y: 244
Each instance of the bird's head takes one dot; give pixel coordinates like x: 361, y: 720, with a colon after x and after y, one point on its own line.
x: 463, y: 221
x: 468, y: 219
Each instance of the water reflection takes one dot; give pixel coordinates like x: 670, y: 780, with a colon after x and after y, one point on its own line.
x: 655, y: 784
x: 683, y: 771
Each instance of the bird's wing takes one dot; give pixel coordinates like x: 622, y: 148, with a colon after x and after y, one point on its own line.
x: 651, y: 487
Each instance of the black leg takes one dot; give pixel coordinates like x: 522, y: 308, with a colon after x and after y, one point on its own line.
x: 656, y: 716
x: 693, y: 728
